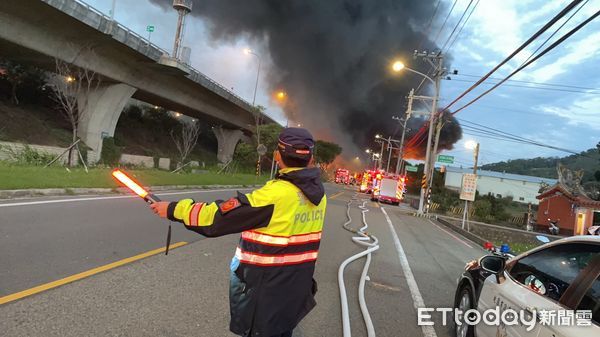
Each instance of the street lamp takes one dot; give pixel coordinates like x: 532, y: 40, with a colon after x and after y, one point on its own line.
x: 249, y: 51
x: 398, y: 66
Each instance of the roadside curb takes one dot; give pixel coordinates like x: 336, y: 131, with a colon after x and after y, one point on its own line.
x: 467, y: 235
x: 46, y: 192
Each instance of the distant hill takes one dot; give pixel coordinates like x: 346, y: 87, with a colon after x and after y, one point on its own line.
x: 588, y: 160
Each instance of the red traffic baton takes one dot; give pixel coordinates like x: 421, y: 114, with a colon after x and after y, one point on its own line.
x: 150, y: 198
x: 134, y: 186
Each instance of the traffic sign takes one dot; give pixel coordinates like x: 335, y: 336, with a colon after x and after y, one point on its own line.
x: 445, y: 159
x: 150, y: 29
x: 410, y: 168
x: 261, y: 149
x: 468, y: 187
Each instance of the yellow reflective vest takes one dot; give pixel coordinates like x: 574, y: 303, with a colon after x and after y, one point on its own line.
x: 281, y: 226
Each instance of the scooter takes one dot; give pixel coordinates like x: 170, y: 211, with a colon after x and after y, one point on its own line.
x: 554, y: 229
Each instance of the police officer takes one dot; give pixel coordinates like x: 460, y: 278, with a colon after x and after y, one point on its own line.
x: 271, y: 283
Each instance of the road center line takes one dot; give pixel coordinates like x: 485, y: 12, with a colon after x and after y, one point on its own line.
x: 428, y: 330
x: 336, y: 195
x: 29, y: 203
x: 452, y: 235
x: 82, y: 275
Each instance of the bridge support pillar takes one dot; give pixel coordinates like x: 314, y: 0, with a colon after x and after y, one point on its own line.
x: 227, y: 139
x: 101, y: 114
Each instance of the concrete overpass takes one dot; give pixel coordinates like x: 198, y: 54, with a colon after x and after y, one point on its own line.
x: 40, y: 31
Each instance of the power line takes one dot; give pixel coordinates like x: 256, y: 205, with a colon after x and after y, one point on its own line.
x: 423, y: 130
x: 489, y: 132
x: 551, y: 47
x: 430, y: 23
x: 445, y: 21
x: 457, y: 24
x: 518, y: 50
x: 536, y: 87
x: 463, y: 26
x: 556, y: 31
x: 536, y: 83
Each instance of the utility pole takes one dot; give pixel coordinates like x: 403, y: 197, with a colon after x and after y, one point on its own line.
x: 381, y: 156
x: 390, y: 148
x: 399, y: 163
x: 436, y: 60
x: 476, y: 158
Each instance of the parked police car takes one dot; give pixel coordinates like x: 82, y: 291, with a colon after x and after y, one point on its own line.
x: 558, y: 282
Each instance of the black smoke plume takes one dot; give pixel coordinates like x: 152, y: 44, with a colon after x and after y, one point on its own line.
x: 332, y: 57
x: 450, y: 133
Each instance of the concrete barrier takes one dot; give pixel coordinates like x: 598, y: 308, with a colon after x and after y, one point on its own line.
x: 164, y: 163
x: 481, y: 232
x: 133, y: 159
x: 17, y: 147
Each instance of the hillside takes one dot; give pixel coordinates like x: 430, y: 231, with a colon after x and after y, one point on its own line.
x: 588, y: 160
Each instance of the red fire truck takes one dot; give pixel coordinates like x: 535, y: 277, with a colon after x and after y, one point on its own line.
x: 389, y: 188
x: 342, y: 176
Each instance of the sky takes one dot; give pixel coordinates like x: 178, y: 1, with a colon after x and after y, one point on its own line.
x: 496, y: 28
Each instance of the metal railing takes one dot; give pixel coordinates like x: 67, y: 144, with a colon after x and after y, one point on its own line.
x: 94, y: 18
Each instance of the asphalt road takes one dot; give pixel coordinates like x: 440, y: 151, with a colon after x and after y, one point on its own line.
x: 185, y: 293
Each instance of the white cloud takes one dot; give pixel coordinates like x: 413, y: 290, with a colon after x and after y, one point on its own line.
x: 577, y: 52
x: 584, y: 111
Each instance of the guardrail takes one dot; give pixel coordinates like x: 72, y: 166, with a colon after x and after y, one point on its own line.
x: 94, y: 18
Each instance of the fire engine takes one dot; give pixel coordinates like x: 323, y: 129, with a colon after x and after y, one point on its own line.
x: 342, y: 176
x: 389, y: 188
x: 370, y: 180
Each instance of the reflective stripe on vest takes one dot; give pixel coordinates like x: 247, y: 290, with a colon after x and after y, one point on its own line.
x: 193, y: 221
x: 275, y: 260
x: 281, y: 240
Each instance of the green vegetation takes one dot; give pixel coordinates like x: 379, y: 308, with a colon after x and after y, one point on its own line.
x: 26, y: 156
x: 518, y: 247
x: 546, y: 167
x: 111, y: 153
x: 22, y: 177
x: 326, y: 152
x: 245, y: 154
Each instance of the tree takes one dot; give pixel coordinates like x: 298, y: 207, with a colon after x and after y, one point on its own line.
x: 269, y: 134
x: 186, y: 140
x: 21, y: 75
x: 72, y: 89
x: 597, y: 175
x: 326, y: 152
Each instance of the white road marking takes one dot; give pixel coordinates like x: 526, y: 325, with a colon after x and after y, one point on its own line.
x: 452, y: 235
x: 41, y: 202
x: 428, y: 330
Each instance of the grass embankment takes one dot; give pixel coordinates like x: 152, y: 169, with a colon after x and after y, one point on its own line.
x: 24, y: 177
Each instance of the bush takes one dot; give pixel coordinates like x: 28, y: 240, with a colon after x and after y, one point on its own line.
x: 245, y: 156
x: 111, y: 153
x: 483, y: 209
x: 27, y: 155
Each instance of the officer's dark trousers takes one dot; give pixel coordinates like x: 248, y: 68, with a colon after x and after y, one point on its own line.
x: 285, y: 334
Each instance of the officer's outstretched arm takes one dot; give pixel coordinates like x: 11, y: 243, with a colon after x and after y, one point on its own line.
x: 238, y: 214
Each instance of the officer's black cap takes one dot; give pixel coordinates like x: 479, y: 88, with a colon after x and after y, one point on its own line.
x: 296, y: 143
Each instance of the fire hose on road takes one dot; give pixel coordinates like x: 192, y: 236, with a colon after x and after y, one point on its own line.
x: 371, y: 242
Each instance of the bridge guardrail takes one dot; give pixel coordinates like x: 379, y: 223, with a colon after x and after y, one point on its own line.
x: 103, y: 23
